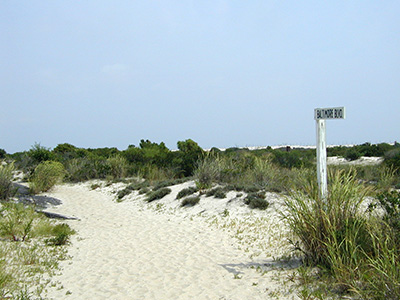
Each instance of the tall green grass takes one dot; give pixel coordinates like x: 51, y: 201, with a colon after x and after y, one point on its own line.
x: 46, y: 175
x: 6, y: 176
x: 338, y: 234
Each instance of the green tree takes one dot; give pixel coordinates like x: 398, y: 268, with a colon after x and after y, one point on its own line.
x: 190, y: 154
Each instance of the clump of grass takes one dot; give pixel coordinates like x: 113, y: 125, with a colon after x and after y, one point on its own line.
x: 144, y: 190
x: 61, y: 234
x: 158, y: 194
x: 358, y: 250
x: 24, y: 256
x: 256, y: 200
x: 141, y: 186
x: 118, y: 166
x: 207, y: 172
x: 95, y: 186
x: 6, y: 176
x: 46, y: 175
x: 190, y: 201
x: 186, y: 192
x: 16, y: 221
x: 122, y: 193
x: 166, y: 183
x: 218, y: 192
x: 315, y: 220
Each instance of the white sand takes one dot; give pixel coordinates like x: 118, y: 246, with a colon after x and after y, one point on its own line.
x: 135, y: 250
x: 362, y: 161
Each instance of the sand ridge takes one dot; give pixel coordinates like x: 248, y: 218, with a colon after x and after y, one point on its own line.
x: 127, y: 251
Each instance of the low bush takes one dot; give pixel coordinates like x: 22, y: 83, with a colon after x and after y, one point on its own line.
x: 190, y: 201
x: 169, y: 182
x: 85, y: 168
x: 6, y: 187
x: 390, y: 202
x: 392, y: 159
x: 218, y: 192
x: 46, y: 175
x: 352, y: 154
x: 25, y: 254
x: 118, y: 166
x: 61, y: 234
x: 256, y: 200
x: 356, y: 249
x: 158, y: 194
x: 186, y: 192
x: 318, y: 222
x: 16, y: 221
x: 207, y: 172
x: 122, y: 193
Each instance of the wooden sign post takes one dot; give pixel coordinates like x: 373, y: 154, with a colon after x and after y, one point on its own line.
x: 320, y: 115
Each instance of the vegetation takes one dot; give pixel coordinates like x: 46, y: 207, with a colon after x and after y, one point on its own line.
x: 218, y: 192
x: 158, y: 194
x: 356, y: 248
x: 6, y: 176
x: 190, y: 201
x: 186, y: 192
x: 46, y: 175
x: 29, y: 248
x: 359, y: 250
x: 256, y: 200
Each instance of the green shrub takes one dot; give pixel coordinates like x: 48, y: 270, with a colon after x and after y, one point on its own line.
x: 46, y: 175
x: 207, y: 172
x: 392, y: 159
x: 16, y: 221
x: 85, y: 168
x: 190, y: 153
x: 190, y: 201
x: 40, y: 154
x: 169, y: 182
x: 122, y: 193
x: 293, y: 158
x: 390, y: 202
x: 218, y: 192
x: 6, y: 187
x: 318, y: 222
x: 2, y: 153
x: 118, y: 166
x: 61, y: 234
x: 158, y: 194
x: 256, y: 200
x: 186, y: 192
x: 352, y: 154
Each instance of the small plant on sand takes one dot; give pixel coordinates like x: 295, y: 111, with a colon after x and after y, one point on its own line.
x: 186, y: 192
x: 356, y: 251
x: 118, y: 166
x: 256, y: 200
x: 46, y: 175
x: 207, y: 172
x: 218, y: 192
x: 190, y: 201
x: 61, y: 234
x: 6, y: 188
x: 16, y: 221
x: 24, y: 254
x: 158, y: 194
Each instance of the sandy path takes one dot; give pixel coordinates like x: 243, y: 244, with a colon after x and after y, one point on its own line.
x: 124, y: 252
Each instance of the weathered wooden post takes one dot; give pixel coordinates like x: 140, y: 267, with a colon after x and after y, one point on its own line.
x: 320, y: 115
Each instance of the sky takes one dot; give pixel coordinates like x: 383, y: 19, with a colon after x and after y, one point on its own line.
x: 222, y: 73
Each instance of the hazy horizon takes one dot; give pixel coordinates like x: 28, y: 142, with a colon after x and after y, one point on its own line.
x: 224, y: 74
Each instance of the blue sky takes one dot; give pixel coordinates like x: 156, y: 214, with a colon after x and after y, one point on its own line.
x: 223, y: 73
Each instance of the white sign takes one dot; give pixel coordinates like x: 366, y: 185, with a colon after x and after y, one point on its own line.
x: 329, y: 113
x: 320, y: 115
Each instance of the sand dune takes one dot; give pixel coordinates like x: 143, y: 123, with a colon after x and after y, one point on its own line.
x: 130, y: 251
